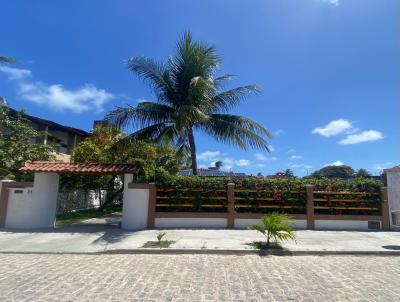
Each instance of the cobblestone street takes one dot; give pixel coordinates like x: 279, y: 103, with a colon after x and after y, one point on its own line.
x: 66, y: 277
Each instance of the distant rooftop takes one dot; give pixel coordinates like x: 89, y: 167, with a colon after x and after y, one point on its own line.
x: 211, y: 172
x: 52, y: 125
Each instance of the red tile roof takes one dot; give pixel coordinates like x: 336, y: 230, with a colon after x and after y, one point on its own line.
x: 59, y: 167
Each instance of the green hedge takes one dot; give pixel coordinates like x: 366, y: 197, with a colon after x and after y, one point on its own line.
x: 287, y: 195
x: 285, y: 184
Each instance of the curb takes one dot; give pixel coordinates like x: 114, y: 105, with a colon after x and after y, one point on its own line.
x: 142, y: 251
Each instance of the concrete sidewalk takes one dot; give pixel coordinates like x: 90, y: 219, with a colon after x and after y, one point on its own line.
x: 104, y: 235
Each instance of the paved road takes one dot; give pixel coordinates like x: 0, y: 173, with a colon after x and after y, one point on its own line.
x: 65, y: 277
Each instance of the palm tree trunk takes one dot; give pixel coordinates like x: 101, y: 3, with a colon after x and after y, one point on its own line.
x: 192, y: 146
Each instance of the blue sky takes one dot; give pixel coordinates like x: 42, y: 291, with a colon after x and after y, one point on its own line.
x: 329, y: 70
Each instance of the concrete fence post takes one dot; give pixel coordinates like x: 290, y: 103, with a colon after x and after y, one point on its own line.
x: 4, y: 194
x: 231, y: 206
x: 310, y: 207
x: 385, y: 209
x: 138, y: 205
x: 151, y: 216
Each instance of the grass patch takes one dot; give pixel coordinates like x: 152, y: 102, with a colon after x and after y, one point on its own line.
x: 262, y: 245
x: 77, y: 217
x: 158, y: 244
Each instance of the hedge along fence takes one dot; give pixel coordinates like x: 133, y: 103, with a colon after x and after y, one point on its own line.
x: 257, y: 195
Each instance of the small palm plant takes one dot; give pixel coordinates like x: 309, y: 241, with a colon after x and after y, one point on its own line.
x: 275, y: 227
x: 160, y: 236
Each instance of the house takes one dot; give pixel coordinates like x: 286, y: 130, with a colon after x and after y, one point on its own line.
x: 212, y: 172
x: 64, y: 138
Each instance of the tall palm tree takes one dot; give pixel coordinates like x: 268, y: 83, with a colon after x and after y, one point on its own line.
x: 189, y: 98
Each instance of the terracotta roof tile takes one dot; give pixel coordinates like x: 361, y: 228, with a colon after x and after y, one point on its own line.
x: 60, y: 167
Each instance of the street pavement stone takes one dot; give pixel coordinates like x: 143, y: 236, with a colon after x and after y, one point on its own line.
x: 124, y: 277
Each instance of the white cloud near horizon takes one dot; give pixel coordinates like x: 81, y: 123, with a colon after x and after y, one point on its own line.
x: 296, y: 157
x: 365, y: 136
x: 262, y: 157
x: 300, y: 166
x: 209, y: 155
x: 353, y: 135
x: 333, y: 128
x: 243, y: 163
x: 56, y: 96
x: 380, y: 167
x: 335, y: 163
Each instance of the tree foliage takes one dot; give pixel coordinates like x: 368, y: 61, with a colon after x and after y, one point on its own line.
x: 110, y: 145
x: 17, y: 144
x: 189, y: 97
x: 362, y: 173
x: 341, y: 171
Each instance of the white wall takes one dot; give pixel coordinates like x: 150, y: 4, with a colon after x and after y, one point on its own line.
x: 245, y: 223
x: 34, y: 207
x: 341, y: 225
x: 393, y: 186
x: 19, y: 208
x: 135, y: 206
x: 189, y: 223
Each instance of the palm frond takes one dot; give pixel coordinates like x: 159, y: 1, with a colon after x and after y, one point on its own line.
x: 236, y: 130
x: 156, y: 75
x: 144, y: 114
x: 230, y: 98
x: 4, y: 59
x: 193, y: 59
x: 149, y: 133
x: 220, y: 80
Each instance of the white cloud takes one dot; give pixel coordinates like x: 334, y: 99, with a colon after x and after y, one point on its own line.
x: 142, y: 100
x: 296, y: 157
x: 365, y: 136
x: 271, y: 148
x: 380, y: 167
x: 262, y: 157
x: 333, y: 2
x: 300, y: 166
x: 209, y: 156
x: 56, y: 96
x: 291, y: 151
x: 333, y: 128
x: 278, y: 132
x: 335, y: 163
x: 15, y: 73
x: 243, y: 163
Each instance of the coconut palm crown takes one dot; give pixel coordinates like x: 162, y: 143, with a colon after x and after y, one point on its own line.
x: 189, y: 97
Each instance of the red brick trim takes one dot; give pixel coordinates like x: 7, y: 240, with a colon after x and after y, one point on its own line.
x: 259, y: 215
x: 348, y: 217
x: 138, y: 186
x: 310, y: 207
x: 4, y: 196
